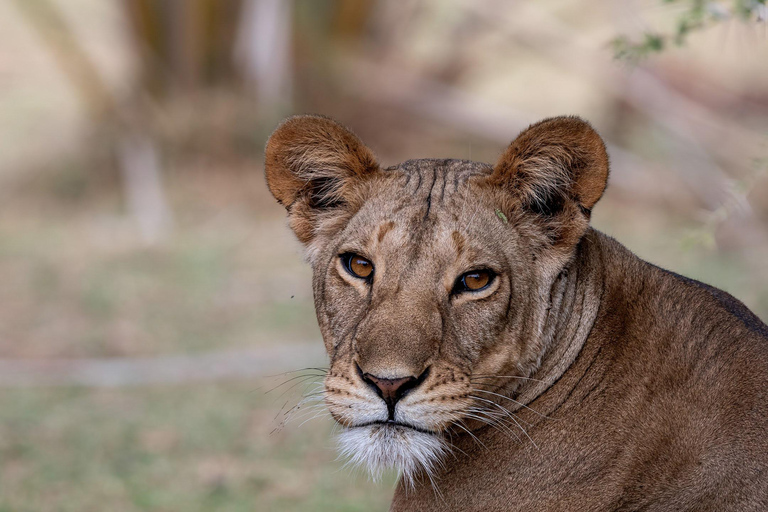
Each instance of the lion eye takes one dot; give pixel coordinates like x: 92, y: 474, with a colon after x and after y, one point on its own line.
x: 357, y: 265
x: 474, y: 281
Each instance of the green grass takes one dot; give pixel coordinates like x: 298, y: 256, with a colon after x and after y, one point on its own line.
x: 67, y: 295
x: 191, y: 448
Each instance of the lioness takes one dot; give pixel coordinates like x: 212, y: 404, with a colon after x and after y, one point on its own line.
x: 502, y: 354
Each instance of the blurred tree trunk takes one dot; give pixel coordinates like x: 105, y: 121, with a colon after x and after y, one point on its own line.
x: 185, y: 45
x: 351, y: 18
x: 265, y: 52
x: 74, y: 62
x: 134, y: 149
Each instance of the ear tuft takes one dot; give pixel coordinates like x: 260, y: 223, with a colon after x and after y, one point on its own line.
x: 553, y: 163
x: 311, y: 163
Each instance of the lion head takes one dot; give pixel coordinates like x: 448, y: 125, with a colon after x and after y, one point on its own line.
x: 432, y: 278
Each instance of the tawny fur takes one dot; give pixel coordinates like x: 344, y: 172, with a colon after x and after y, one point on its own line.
x: 582, y: 378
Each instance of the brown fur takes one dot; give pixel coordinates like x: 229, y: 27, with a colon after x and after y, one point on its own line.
x: 583, y: 378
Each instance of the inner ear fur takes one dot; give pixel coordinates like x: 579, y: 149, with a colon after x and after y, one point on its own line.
x: 553, y: 165
x: 311, y: 164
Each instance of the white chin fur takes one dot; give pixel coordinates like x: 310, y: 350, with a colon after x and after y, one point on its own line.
x: 380, y: 447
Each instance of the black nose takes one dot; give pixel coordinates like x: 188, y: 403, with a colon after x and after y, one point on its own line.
x: 392, y: 390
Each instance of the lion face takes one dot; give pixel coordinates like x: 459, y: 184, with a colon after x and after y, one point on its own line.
x: 431, y: 278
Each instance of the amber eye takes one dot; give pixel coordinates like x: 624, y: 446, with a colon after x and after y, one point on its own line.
x: 357, y: 266
x: 474, y: 281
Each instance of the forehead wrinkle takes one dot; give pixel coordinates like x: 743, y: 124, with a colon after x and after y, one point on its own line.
x: 472, y: 240
x: 384, y: 229
x: 458, y: 241
x: 390, y: 241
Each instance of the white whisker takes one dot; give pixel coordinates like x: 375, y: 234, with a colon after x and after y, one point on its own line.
x: 512, y: 400
x: 489, y: 376
x: 511, y: 416
x: 459, y: 424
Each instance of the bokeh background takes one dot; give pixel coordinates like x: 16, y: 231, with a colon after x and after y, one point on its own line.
x: 151, y: 295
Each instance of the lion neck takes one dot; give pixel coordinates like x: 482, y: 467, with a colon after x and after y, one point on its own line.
x: 565, y: 325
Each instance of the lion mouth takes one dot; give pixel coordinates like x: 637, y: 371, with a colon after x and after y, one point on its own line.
x: 395, y: 425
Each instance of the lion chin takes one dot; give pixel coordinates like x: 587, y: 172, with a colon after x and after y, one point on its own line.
x: 381, y: 446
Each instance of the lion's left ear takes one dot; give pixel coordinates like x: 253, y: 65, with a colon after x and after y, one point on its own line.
x: 557, y: 169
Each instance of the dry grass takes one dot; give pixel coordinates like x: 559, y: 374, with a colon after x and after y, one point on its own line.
x: 191, y: 448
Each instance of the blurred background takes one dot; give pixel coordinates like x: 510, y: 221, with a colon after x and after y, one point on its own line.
x: 151, y: 295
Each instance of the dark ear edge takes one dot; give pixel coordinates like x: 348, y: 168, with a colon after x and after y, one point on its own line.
x: 554, y: 162
x: 310, y: 164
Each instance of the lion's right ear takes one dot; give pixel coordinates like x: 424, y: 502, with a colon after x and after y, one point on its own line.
x: 312, y: 164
